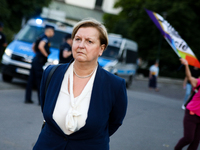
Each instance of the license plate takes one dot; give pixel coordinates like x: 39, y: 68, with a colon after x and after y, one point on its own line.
x: 23, y: 71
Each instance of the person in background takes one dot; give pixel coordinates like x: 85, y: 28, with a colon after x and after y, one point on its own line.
x: 191, y: 121
x: 187, y: 86
x: 41, y: 47
x: 153, y: 76
x: 139, y: 62
x: 65, y: 54
x: 84, y: 104
x: 3, y: 42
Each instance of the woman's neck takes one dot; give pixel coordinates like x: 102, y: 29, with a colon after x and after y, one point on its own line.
x: 84, y: 68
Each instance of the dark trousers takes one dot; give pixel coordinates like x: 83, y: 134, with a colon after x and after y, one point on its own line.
x: 1, y: 53
x: 153, y: 82
x: 191, y: 124
x: 34, y: 78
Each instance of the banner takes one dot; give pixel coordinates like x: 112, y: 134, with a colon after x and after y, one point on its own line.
x: 174, y: 39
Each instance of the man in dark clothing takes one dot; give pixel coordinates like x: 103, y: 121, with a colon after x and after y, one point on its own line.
x: 41, y: 47
x: 3, y: 42
x: 65, y: 54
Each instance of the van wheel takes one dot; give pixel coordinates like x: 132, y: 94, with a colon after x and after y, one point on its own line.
x: 129, y: 82
x: 7, y: 78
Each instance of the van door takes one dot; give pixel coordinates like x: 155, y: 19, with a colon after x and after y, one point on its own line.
x: 120, y: 67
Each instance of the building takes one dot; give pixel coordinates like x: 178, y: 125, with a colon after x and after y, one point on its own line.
x: 72, y: 11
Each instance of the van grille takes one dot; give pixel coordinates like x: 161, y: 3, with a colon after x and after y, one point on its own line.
x: 18, y: 58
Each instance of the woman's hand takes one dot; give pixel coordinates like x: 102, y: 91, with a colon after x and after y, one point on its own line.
x: 184, y: 61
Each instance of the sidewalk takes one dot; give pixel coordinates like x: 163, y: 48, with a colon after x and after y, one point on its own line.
x: 161, y: 79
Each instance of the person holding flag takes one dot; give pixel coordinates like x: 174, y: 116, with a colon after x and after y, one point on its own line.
x: 191, y: 121
x: 195, y: 72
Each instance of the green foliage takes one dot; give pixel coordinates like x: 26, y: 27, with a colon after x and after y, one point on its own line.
x: 133, y: 22
x: 12, y: 12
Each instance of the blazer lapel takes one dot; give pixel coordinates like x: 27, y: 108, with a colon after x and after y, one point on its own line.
x: 96, y: 92
x: 52, y: 96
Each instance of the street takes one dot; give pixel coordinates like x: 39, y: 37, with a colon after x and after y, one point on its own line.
x: 153, y: 120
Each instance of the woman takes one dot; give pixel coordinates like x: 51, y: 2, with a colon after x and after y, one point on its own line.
x: 191, y: 120
x: 84, y: 104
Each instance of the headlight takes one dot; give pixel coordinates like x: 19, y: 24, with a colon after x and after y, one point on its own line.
x: 108, y: 68
x: 8, y: 52
x: 52, y: 62
x: 55, y: 62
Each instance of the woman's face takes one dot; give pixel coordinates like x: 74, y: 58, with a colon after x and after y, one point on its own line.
x: 86, y: 45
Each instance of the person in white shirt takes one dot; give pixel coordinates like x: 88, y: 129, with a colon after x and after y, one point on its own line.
x: 153, y: 75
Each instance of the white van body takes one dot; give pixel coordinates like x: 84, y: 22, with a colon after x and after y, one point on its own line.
x: 120, y: 58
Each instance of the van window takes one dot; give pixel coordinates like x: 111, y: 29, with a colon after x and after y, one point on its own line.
x: 111, y: 52
x: 131, y: 56
x: 30, y: 33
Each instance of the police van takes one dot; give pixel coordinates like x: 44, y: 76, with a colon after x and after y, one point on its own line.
x: 16, y: 61
x: 120, y: 57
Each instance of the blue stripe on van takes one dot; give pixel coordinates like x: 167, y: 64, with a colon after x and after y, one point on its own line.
x: 103, y: 61
x: 25, y: 48
x: 21, y: 47
x: 126, y: 71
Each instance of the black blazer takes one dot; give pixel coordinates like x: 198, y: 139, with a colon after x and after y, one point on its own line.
x: 106, y: 112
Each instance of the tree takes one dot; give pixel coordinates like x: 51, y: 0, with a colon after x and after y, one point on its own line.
x: 12, y: 12
x: 134, y: 23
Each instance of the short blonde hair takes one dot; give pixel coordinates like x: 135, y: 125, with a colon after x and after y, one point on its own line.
x: 103, y: 35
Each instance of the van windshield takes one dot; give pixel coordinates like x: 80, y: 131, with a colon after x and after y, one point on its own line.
x: 111, y: 52
x: 30, y: 33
